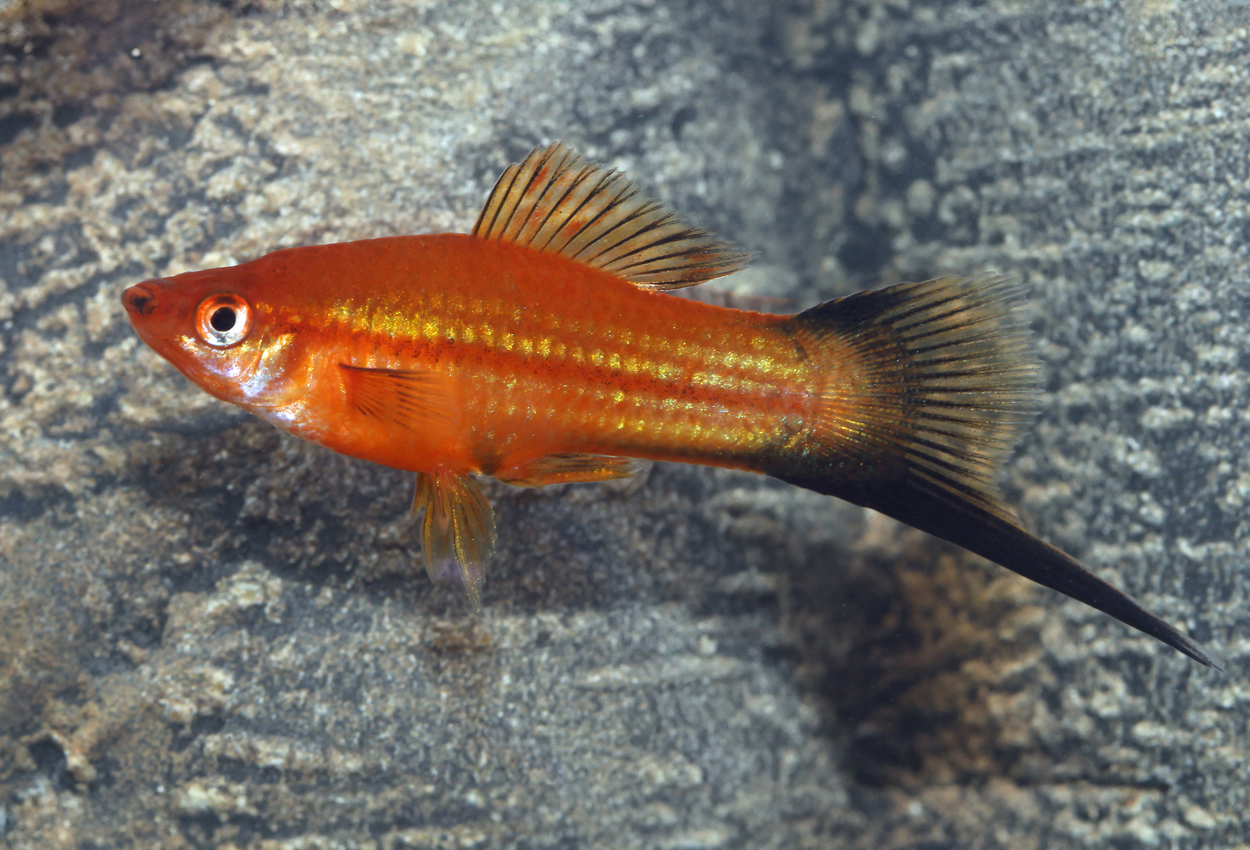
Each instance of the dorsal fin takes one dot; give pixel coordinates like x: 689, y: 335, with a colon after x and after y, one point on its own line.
x: 556, y: 202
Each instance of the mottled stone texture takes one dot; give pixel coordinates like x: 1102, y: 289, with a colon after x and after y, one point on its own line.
x: 212, y: 635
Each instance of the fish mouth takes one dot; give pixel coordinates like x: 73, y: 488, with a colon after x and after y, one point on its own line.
x: 140, y: 299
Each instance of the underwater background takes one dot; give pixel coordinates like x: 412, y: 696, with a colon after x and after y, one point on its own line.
x: 215, y: 635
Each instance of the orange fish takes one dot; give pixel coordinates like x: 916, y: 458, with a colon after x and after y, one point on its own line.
x: 541, y: 348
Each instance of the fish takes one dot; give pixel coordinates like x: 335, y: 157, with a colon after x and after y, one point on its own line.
x: 545, y: 347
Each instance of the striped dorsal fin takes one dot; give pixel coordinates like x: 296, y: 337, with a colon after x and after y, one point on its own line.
x: 558, y: 203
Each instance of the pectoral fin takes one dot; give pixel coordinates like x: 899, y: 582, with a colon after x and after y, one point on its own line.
x: 568, y: 469
x: 458, y: 530
x: 413, y: 399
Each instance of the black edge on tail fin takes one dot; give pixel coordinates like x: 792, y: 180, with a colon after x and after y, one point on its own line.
x: 926, y: 387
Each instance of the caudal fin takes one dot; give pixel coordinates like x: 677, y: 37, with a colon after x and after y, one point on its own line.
x: 926, y: 388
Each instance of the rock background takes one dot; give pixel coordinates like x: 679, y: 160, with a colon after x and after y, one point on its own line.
x: 212, y: 635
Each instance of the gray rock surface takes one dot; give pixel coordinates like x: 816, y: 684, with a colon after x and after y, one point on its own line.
x: 213, y: 635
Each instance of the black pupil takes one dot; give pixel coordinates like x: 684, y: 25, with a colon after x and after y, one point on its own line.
x: 222, y: 319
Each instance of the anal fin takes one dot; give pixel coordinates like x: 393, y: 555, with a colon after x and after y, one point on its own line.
x: 457, y: 531
x: 568, y: 469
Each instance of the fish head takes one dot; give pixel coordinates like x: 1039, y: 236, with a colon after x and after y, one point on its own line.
x: 214, y: 326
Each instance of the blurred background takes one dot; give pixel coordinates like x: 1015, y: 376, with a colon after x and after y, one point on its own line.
x: 214, y: 635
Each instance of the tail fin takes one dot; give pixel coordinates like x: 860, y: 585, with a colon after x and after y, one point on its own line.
x: 927, y: 387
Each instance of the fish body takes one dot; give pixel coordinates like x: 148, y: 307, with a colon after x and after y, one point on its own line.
x: 543, y: 348
x: 524, y: 355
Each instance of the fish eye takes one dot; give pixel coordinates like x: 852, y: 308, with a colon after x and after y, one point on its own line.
x: 223, y: 320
